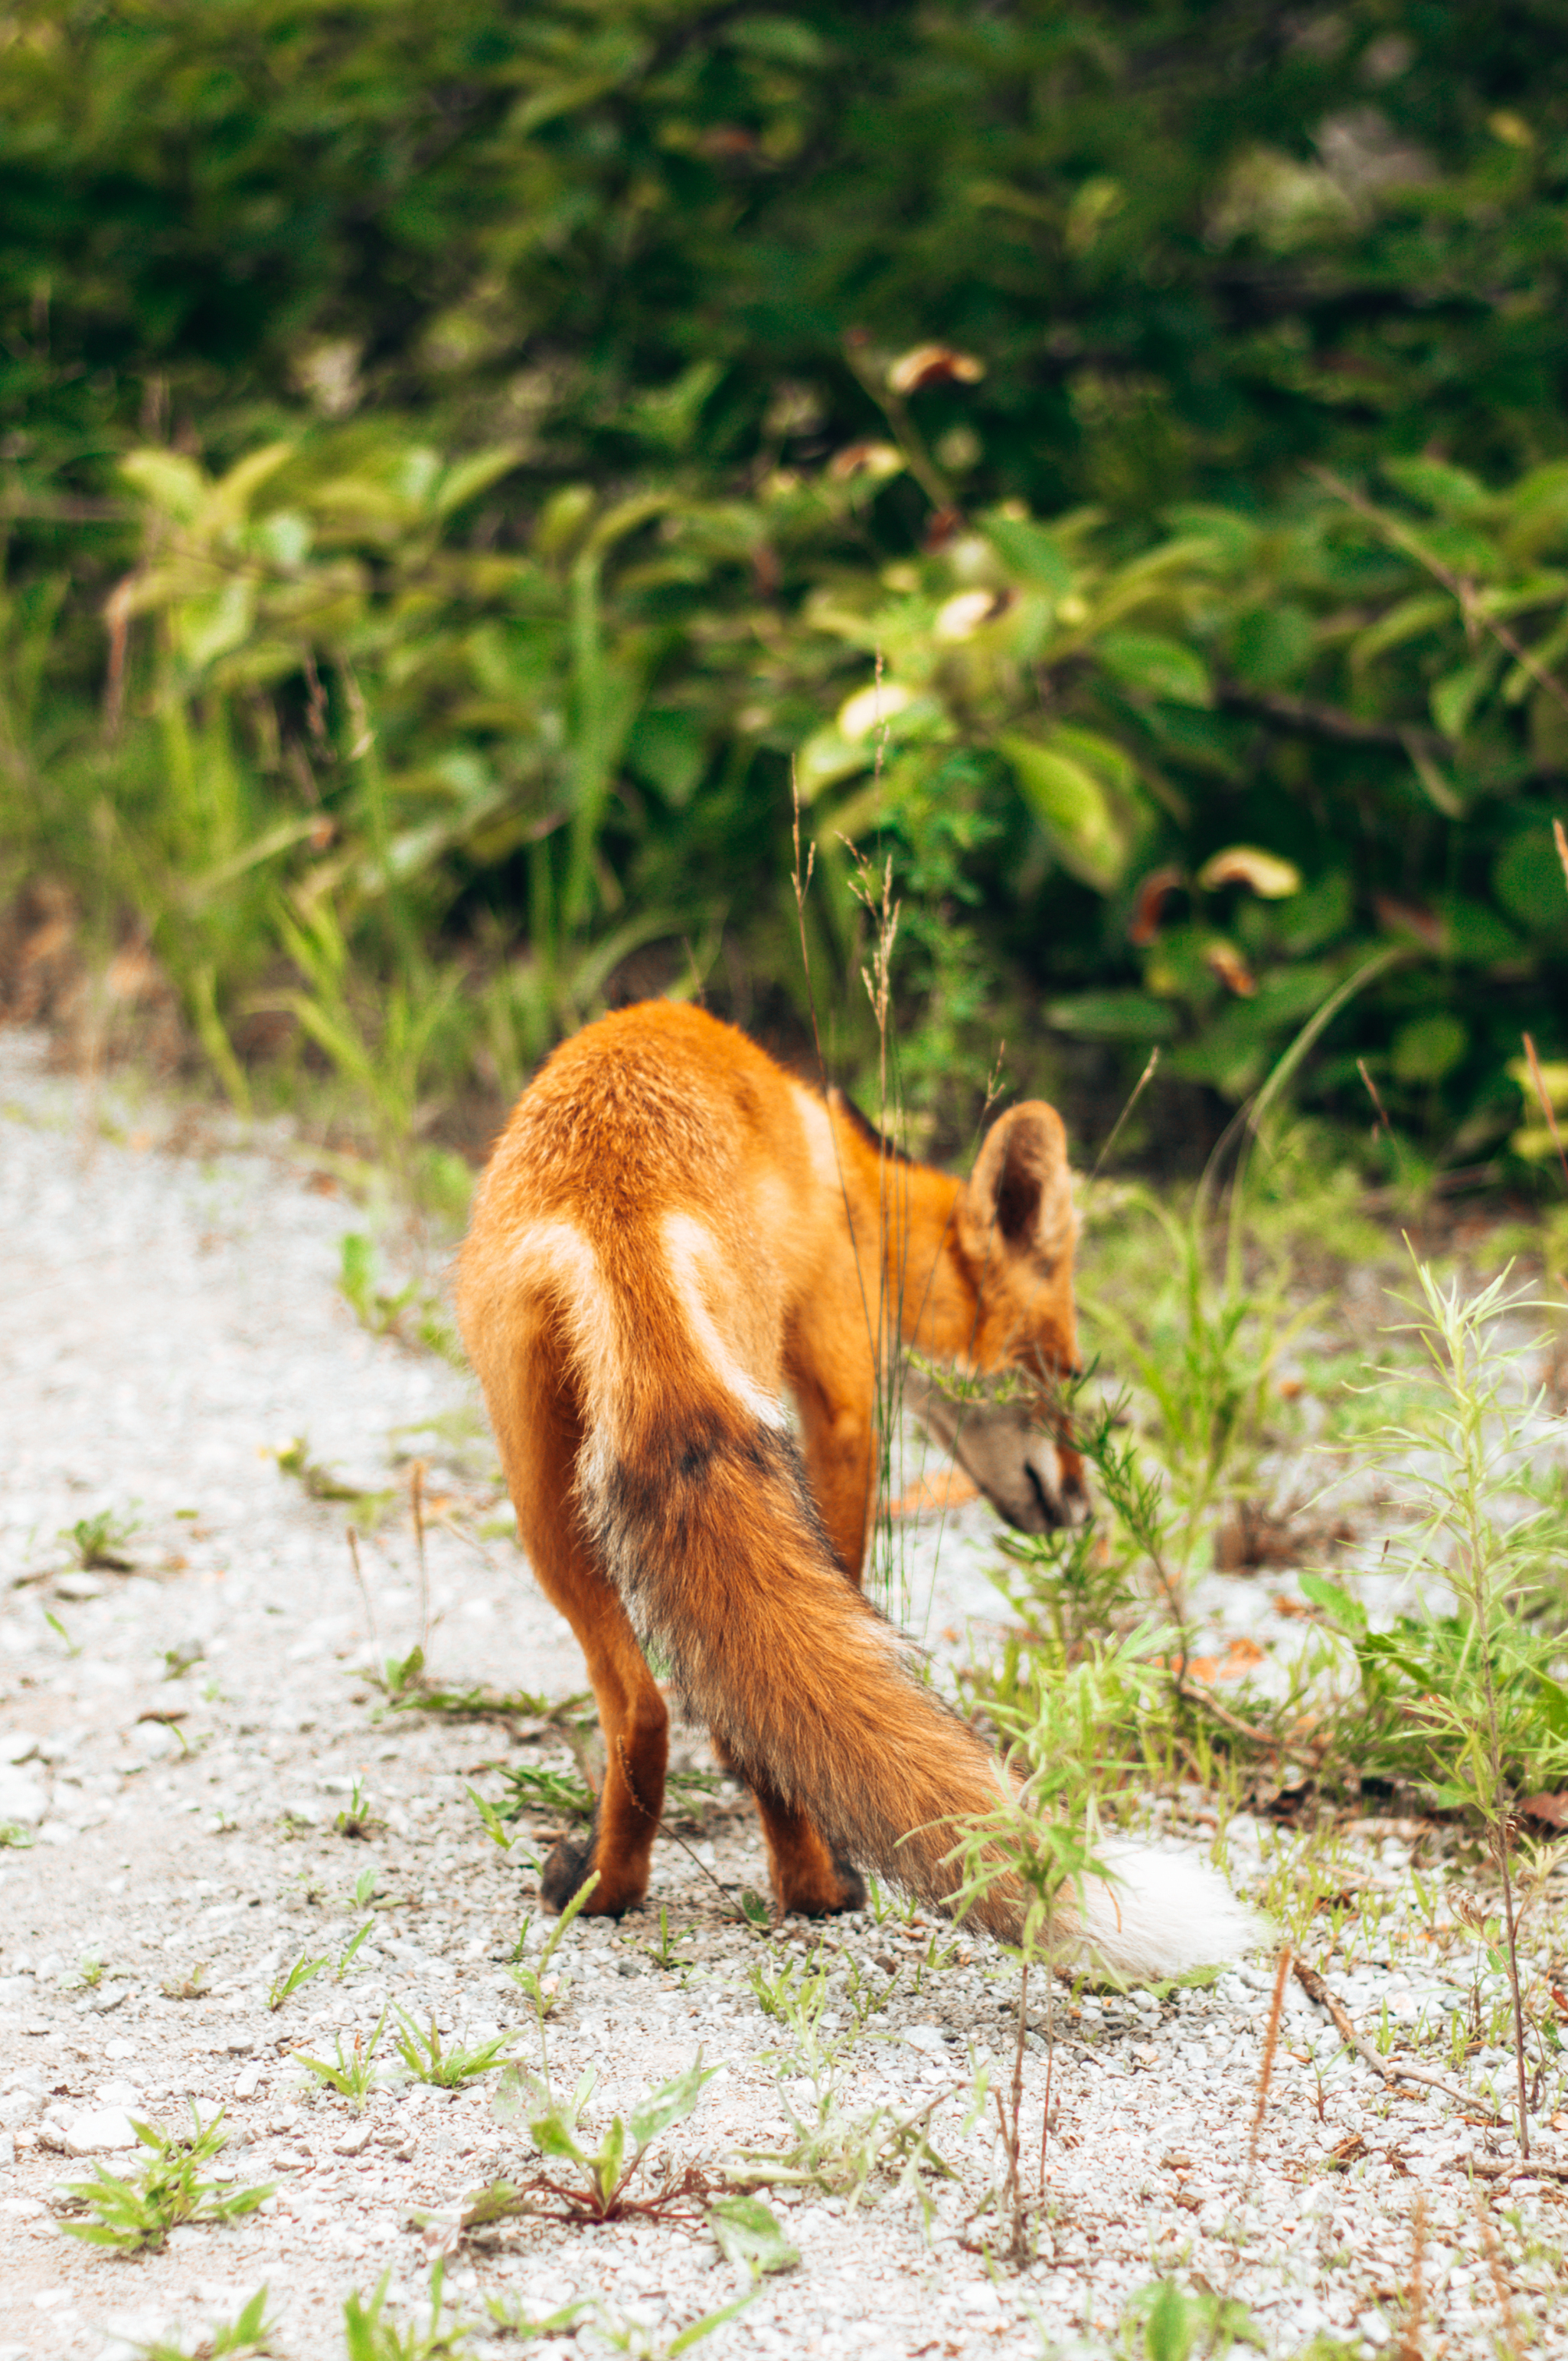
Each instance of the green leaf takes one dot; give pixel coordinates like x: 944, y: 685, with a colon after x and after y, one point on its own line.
x: 1428, y: 1048
x: 607, y: 2165
x: 706, y: 2324
x: 669, y: 749
x: 1162, y: 667
x: 1454, y: 699
x: 1346, y: 1612
x: 1170, y: 2324
x: 1406, y: 619
x: 746, y: 2230
x: 1113, y: 1016
x: 1450, y: 491
x: 1272, y: 644
x: 671, y: 2104
x: 468, y: 477
x: 1031, y: 553
x: 1553, y: 1704
x: 1527, y: 880
x: 1071, y: 805
x: 167, y: 481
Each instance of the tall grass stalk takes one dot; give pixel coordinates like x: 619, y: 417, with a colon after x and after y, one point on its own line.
x: 1461, y: 1454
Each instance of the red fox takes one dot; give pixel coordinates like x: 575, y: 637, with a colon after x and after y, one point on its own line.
x: 671, y: 1235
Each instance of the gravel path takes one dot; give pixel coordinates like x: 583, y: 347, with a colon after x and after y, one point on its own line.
x: 181, y: 1740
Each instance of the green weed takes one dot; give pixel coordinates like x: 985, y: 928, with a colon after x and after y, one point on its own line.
x: 562, y: 1794
x: 246, y: 2337
x: 100, y: 1543
x: 366, y: 1509
x: 369, y: 2335
x: 357, y: 1820
x: 664, y: 1952
x: 1167, y: 2322
x: 134, y: 2214
x: 428, y: 2060
x: 353, y: 2077
x: 414, y: 1312
x: 190, y: 1986
x: 605, y: 2172
x: 287, y: 1982
x: 545, y: 1991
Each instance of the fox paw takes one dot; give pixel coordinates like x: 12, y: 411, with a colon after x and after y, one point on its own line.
x: 568, y: 1868
x: 823, y: 1896
x: 567, y: 1871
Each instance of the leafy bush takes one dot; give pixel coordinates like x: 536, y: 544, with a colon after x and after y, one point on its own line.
x: 577, y: 457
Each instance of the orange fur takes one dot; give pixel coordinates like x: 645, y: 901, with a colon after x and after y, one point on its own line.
x: 670, y: 1236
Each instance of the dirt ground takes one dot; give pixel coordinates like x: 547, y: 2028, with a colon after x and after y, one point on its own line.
x: 205, y: 1787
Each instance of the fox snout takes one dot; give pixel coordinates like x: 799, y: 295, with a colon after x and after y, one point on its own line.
x: 1041, y: 1491
x: 1031, y: 1479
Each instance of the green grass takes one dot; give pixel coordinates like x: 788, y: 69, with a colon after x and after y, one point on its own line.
x: 134, y: 2213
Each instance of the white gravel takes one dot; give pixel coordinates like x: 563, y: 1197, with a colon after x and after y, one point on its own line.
x: 169, y: 1317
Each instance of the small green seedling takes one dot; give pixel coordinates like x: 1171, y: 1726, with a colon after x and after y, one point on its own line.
x: 606, y: 2172
x: 353, y: 2077
x: 797, y: 1990
x: 100, y: 1541
x: 284, y: 1987
x: 248, y: 2336
x: 510, y: 2314
x: 640, y: 2343
x: 1167, y: 2323
x: 135, y: 2214
x: 348, y: 1959
x: 375, y: 1308
x: 565, y: 1794
x: 319, y: 1483
x: 356, y: 1818
x: 664, y: 1953
x: 490, y: 1820
x: 447, y: 2069
x: 89, y: 1975
x: 840, y: 2154
x: 73, y: 1647
x: 193, y: 1986
x: 13, y: 1834
x: 369, y: 2335
x: 534, y: 1982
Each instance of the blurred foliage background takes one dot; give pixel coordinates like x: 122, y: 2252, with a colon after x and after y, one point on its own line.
x: 456, y: 467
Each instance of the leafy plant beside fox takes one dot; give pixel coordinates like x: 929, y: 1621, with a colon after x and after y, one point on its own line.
x: 671, y: 1234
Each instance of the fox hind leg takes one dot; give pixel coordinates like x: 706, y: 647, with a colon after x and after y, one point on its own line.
x: 807, y: 1876
x: 539, y: 1449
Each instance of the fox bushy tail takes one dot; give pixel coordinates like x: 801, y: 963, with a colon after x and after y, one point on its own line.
x: 705, y: 1524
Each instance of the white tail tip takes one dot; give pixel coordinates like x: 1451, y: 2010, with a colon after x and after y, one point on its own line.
x: 1165, y: 1915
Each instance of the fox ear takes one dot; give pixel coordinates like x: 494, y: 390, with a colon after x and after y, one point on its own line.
x: 1020, y: 1190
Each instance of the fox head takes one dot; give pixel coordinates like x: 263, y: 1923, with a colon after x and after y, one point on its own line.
x: 1013, y: 1233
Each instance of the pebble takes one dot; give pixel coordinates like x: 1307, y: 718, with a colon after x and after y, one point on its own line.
x: 101, y: 2130
x: 23, y: 1798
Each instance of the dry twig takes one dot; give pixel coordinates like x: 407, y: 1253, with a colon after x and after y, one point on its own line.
x: 1270, y: 2044
x: 1498, y: 2269
x: 1389, y: 2068
x: 1415, y: 2310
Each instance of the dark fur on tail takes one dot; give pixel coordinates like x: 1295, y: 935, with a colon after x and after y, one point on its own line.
x: 707, y: 1527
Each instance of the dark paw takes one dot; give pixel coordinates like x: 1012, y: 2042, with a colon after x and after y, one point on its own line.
x: 851, y: 1885
x: 568, y: 1868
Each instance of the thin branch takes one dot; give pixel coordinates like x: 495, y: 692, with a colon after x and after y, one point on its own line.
x: 1316, y: 1989
x: 1457, y: 587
